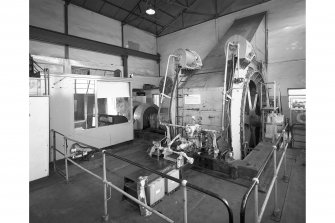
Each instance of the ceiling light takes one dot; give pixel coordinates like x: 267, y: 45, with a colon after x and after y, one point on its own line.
x: 150, y: 11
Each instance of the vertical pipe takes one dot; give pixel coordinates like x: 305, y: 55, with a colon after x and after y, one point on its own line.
x: 285, y: 177
x: 262, y: 116
x: 183, y: 183
x: 275, y: 175
x: 54, y: 149
x: 65, y: 158
x: 256, y: 202
x: 105, y: 217
x: 96, y: 112
x: 266, y: 41
x: 284, y: 141
x: 274, y: 95
x: 225, y: 88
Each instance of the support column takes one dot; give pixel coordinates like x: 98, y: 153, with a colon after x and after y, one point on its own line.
x: 125, y: 65
x: 66, y: 26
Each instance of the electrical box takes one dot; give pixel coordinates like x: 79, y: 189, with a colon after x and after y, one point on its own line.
x: 169, y: 184
x: 155, y: 190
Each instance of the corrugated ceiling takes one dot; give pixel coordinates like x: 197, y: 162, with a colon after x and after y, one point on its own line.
x: 171, y: 15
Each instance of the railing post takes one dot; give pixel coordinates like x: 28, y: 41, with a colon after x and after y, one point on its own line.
x: 276, y: 211
x: 54, y: 149
x: 256, y: 199
x: 285, y: 177
x: 65, y: 158
x: 183, y: 183
x: 105, y: 216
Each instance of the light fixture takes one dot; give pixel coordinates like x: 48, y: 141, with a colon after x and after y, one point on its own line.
x: 150, y: 11
x: 150, y: 8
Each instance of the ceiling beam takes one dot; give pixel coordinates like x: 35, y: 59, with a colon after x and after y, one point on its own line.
x: 198, y: 13
x: 49, y: 36
x: 119, y: 7
x: 165, y: 12
x: 225, y: 7
x: 103, y: 4
x: 132, y: 11
x: 175, y: 19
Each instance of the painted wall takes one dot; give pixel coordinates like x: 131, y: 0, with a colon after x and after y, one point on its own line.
x: 49, y: 14
x: 286, y: 45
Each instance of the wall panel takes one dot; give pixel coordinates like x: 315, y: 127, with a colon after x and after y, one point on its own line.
x: 90, y: 25
x: 48, y: 14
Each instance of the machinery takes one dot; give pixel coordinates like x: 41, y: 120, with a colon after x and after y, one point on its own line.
x: 211, y: 110
x: 240, y: 129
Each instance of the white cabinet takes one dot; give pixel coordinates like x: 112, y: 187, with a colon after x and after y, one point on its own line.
x: 38, y: 137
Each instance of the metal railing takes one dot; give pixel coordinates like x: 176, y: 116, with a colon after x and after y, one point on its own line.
x: 254, y: 186
x: 107, y: 183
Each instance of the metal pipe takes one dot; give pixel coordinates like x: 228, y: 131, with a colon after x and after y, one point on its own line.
x: 166, y: 71
x: 139, y: 202
x: 105, y: 217
x: 184, y: 182
x: 54, y: 149
x: 65, y: 157
x: 86, y: 170
x: 60, y: 152
x: 57, y: 132
x: 283, y: 157
x: 225, y: 87
x: 262, y: 115
x: 256, y: 199
x: 275, y: 176
x: 285, y: 177
x: 274, y: 95
x: 84, y: 144
x: 266, y: 199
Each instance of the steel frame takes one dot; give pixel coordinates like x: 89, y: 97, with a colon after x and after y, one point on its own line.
x: 45, y: 35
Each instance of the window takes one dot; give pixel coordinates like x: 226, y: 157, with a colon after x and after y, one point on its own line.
x: 113, y: 111
x: 84, y: 114
x: 84, y: 104
x: 114, y: 105
x: 297, y: 98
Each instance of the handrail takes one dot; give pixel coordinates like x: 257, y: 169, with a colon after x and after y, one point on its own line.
x: 259, y: 173
x: 207, y: 192
x: 52, y: 130
x: 74, y: 140
x: 103, y: 179
x: 184, y: 183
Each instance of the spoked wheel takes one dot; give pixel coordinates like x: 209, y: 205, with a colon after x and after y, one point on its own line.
x: 252, y: 117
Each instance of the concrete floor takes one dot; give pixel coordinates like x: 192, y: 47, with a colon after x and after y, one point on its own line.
x: 81, y: 200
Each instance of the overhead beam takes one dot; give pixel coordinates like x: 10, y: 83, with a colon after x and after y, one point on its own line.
x: 101, y: 7
x: 175, y: 19
x: 131, y: 12
x: 198, y: 13
x: 49, y: 36
x: 126, y: 10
